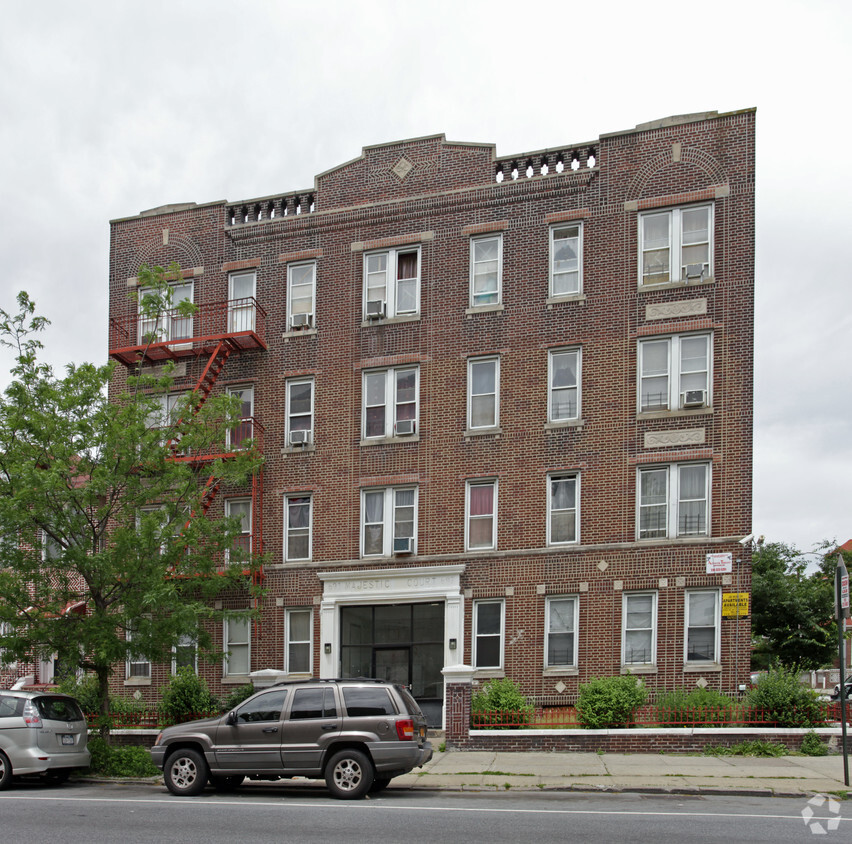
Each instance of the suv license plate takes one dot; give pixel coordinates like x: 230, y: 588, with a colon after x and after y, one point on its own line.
x: 422, y: 732
x: 66, y: 739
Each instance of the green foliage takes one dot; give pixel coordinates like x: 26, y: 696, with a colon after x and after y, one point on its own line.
x: 187, y: 697
x: 783, y: 699
x: 501, y: 703
x: 609, y: 701
x: 813, y: 745
x: 693, y: 706
x: 109, y: 761
x: 755, y: 747
x: 85, y: 691
x: 237, y: 696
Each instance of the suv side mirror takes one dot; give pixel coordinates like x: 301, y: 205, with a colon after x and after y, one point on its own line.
x: 231, y: 720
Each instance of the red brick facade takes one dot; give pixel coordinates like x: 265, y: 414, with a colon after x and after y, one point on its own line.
x: 437, y: 197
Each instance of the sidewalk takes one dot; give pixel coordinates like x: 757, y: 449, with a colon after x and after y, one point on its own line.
x: 784, y: 776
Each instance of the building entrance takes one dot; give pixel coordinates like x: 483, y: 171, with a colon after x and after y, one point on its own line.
x: 402, y: 643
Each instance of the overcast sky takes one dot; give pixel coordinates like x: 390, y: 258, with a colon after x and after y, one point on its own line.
x: 108, y: 108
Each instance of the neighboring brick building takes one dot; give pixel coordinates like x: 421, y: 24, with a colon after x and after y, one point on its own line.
x: 506, y: 405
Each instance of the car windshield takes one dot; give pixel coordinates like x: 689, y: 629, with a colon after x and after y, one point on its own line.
x: 59, y: 709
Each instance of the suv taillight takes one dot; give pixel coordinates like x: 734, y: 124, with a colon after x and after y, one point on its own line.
x: 405, y: 729
x: 31, y: 715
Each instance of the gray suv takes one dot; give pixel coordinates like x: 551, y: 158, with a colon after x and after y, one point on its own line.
x: 356, y: 734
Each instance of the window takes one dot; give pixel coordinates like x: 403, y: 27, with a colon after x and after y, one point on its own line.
x: 566, y: 260
x: 301, y: 295
x: 392, y: 282
x: 5, y: 630
x: 51, y: 549
x: 244, y: 431
x: 185, y: 654
x: 241, y: 301
x: 313, y: 703
x: 300, y: 411
x: 676, y: 245
x: 165, y: 412
x: 297, y: 527
x: 236, y: 638
x: 639, y: 628
x: 562, y: 509
x: 702, y: 626
x: 674, y: 372
x: 388, y: 521
x: 167, y: 324
x: 138, y: 666
x: 561, y: 632
x: 481, y: 519
x: 486, y: 270
x: 564, y: 384
x: 298, y: 624
x: 366, y: 702
x: 265, y: 707
x: 240, y: 508
x: 673, y: 500
x: 390, y: 399
x: 488, y: 634
x: 483, y: 393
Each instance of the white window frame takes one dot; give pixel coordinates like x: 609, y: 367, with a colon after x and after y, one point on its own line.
x: 132, y: 660
x: 471, y: 363
x: 162, y: 326
x: 290, y: 416
x: 187, y: 641
x: 293, y: 497
x: 556, y: 478
x: 562, y: 227
x: 468, y: 518
x: 625, y: 601
x: 673, y: 502
x: 388, y: 522
x: 227, y: 644
x: 548, y: 630
x: 6, y: 630
x: 242, y: 317
x: 288, y: 641
x: 292, y: 270
x: 229, y: 503
x: 391, y: 300
x: 674, y: 217
x: 391, y: 402
x: 245, y: 429
x: 577, y: 353
x: 476, y: 635
x: 677, y: 380
x: 475, y: 298
x: 717, y: 633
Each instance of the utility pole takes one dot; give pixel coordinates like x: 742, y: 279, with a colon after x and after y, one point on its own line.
x: 841, y: 586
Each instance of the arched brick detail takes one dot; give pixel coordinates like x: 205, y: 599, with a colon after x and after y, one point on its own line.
x: 689, y: 156
x: 180, y: 248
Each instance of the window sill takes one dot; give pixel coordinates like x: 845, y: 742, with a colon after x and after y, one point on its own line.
x: 302, y: 332
x: 674, y: 414
x: 138, y: 681
x: 489, y: 673
x: 567, y: 423
x: 578, y: 298
x: 484, y: 309
x: 298, y: 449
x: 702, y: 668
x: 639, y: 669
x: 673, y: 285
x: 392, y: 320
x: 490, y: 550
x: 236, y: 680
x: 367, y: 441
x: 556, y: 671
x: 696, y: 538
x: 483, y: 432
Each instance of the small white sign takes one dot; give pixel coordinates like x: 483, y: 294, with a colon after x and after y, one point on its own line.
x: 844, y: 592
x: 720, y: 563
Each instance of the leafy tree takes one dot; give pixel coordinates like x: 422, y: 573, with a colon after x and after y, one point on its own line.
x: 103, y: 531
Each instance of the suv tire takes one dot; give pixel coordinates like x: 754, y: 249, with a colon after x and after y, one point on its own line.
x: 5, y: 771
x: 186, y: 772
x: 349, y: 775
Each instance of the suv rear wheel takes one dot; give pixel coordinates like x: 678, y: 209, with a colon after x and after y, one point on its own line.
x: 349, y: 775
x: 5, y: 771
x: 186, y: 772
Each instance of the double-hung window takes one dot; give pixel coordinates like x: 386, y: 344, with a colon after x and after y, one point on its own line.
x: 566, y: 260
x: 242, y: 305
x: 639, y: 628
x: 676, y: 245
x: 6, y: 631
x: 561, y: 632
x: 240, y: 508
x: 138, y: 666
x: 301, y: 295
x: 483, y: 392
x: 392, y: 282
x: 481, y: 521
x: 236, y: 638
x: 674, y: 372
x: 300, y: 412
x: 244, y: 431
x: 563, y: 497
x: 486, y: 270
x: 388, y: 521
x: 674, y: 501
x: 298, y: 626
x: 185, y: 654
x: 169, y: 322
x: 488, y: 632
x: 702, y: 626
x: 564, y: 385
x: 390, y: 398
x: 297, y: 527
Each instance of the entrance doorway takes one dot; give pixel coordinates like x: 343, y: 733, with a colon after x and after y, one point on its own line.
x: 401, y: 643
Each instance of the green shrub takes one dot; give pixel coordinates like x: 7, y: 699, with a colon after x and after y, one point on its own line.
x: 85, y: 691
x: 112, y: 761
x: 705, y: 706
x: 813, y: 745
x: 187, y: 697
x: 609, y: 701
x: 756, y: 747
x: 499, y: 703
x: 237, y: 696
x: 785, y: 701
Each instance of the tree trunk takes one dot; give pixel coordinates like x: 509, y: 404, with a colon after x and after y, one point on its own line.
x: 103, y: 672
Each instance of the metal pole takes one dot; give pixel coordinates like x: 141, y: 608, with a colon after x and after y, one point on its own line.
x: 841, y: 577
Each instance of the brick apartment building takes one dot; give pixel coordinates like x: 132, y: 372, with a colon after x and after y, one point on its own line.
x: 505, y: 405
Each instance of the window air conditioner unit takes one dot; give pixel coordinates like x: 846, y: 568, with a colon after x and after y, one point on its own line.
x: 300, y: 437
x: 694, y: 272
x: 403, y: 545
x: 302, y: 320
x: 375, y: 309
x: 693, y: 398
x: 404, y: 428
